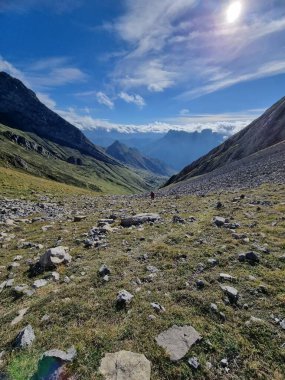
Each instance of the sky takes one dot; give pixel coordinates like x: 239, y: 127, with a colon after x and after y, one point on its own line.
x: 148, y: 65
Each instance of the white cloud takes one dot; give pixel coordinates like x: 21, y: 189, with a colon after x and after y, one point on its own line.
x: 104, y: 99
x: 133, y: 98
x: 225, y: 124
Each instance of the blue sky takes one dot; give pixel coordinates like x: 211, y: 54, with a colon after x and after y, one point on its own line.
x: 147, y: 64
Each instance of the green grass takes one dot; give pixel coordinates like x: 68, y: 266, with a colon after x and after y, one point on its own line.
x: 83, y: 313
x: 93, y: 174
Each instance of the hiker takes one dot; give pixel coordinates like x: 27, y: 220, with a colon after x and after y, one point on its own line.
x: 152, y: 195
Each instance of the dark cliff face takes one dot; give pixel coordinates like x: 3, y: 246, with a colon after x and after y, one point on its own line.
x: 266, y: 131
x: 21, y: 109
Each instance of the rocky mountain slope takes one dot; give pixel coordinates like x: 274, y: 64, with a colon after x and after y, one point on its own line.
x: 266, y: 131
x: 36, y: 140
x: 132, y: 157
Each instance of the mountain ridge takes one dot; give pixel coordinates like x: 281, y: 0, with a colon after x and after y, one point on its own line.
x: 265, y: 131
x: 134, y: 158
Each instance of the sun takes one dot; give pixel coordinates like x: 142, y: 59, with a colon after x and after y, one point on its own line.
x: 234, y: 11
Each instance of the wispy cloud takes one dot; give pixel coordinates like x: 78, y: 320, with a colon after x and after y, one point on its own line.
x: 45, y: 73
x: 104, y: 99
x: 190, y: 46
x: 132, y: 98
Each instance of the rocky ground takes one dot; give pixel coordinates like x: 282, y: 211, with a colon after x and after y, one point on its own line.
x: 183, y: 287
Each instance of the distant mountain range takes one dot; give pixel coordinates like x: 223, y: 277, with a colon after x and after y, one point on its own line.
x: 132, y: 157
x: 175, y: 148
x: 37, y: 140
x: 262, y: 143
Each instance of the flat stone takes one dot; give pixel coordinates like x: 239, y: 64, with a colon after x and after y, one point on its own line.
x: 177, y: 341
x: 138, y: 219
x: 20, y: 316
x: 39, y: 283
x: 125, y: 365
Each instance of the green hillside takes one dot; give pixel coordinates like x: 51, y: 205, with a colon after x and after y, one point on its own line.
x: 43, y: 158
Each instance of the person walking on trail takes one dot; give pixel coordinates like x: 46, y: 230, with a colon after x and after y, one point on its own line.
x: 152, y: 196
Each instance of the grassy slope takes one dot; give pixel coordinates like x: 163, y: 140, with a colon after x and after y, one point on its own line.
x: 93, y: 175
x: 83, y: 312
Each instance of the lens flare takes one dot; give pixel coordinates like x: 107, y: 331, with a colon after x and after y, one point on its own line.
x: 234, y: 12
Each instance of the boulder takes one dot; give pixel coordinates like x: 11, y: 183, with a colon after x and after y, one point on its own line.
x: 125, y: 365
x: 53, y: 257
x: 231, y: 293
x: 177, y: 341
x: 138, y: 219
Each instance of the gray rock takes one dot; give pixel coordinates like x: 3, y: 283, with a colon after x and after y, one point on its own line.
x: 282, y: 324
x: 231, y: 293
x: 124, y: 298
x: 226, y: 277
x: 152, y: 269
x: 79, y: 218
x: 39, y: 283
x: 22, y: 290
x: 157, y: 307
x: 224, y: 363
x: 138, y: 219
x: 20, y: 316
x: 104, y: 270
x: 25, y: 338
x: 219, y: 221
x: 194, y: 362
x: 177, y: 341
x: 53, y: 257
x: 251, y: 257
x: 125, y: 365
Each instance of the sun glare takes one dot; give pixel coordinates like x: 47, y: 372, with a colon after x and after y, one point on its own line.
x: 234, y: 11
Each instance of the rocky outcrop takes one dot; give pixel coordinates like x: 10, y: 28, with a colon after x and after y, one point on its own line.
x: 29, y: 145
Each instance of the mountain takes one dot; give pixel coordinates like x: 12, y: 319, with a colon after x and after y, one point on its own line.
x: 265, y: 132
x: 132, y: 157
x: 21, y: 109
x: 37, y: 140
x: 175, y: 148
x: 178, y: 148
